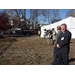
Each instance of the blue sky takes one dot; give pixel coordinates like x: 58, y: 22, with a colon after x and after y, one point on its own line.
x: 62, y: 12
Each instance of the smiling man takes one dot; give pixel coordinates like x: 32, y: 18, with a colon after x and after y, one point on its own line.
x: 63, y: 43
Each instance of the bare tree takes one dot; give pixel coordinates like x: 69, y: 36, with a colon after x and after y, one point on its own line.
x: 23, y: 14
x: 34, y: 14
x: 18, y: 13
x: 44, y: 15
x: 10, y: 12
x: 70, y: 12
x: 56, y: 16
x: 32, y: 18
x: 49, y: 15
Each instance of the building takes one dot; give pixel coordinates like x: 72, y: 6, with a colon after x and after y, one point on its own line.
x: 17, y: 22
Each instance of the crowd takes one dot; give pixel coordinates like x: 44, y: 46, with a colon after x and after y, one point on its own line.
x: 61, y: 39
x: 51, y: 34
x: 23, y: 32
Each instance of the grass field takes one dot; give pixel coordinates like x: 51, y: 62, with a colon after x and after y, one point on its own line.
x: 29, y: 51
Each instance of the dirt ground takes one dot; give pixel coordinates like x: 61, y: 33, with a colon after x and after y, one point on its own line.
x: 29, y: 51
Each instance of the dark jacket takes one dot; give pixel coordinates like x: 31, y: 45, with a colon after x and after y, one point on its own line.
x: 64, y: 41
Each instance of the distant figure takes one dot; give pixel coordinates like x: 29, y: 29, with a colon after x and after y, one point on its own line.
x: 50, y: 34
x: 54, y: 35
x: 24, y: 33
x: 13, y: 32
x: 10, y: 32
x: 39, y: 33
x: 20, y: 32
x: 34, y: 31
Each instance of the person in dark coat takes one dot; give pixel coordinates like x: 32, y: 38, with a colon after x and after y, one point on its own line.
x: 50, y: 34
x: 56, y: 50
x: 63, y: 43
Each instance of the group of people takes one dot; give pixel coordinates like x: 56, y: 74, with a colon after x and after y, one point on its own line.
x: 51, y: 34
x: 22, y: 32
x: 62, y: 45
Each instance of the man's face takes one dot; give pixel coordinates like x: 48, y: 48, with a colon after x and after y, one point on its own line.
x: 63, y: 28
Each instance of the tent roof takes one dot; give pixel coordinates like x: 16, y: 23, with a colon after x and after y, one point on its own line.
x: 70, y: 22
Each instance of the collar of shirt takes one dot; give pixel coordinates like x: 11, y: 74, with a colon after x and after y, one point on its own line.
x: 63, y: 32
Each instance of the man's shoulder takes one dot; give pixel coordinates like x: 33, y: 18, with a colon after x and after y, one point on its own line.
x: 59, y: 32
x: 68, y: 32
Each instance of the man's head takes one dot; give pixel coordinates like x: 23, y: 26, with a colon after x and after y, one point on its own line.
x: 63, y: 27
x: 58, y: 28
x: 52, y: 29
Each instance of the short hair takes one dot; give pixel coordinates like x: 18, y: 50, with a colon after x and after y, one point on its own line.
x: 59, y: 27
x: 64, y: 25
x: 53, y: 29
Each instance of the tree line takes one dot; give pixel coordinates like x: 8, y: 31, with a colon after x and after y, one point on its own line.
x: 37, y: 16
x: 48, y: 15
x: 70, y: 12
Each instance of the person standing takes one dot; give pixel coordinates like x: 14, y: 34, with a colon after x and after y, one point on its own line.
x: 56, y: 50
x: 50, y: 34
x: 39, y: 33
x: 13, y: 32
x: 54, y: 35
x: 63, y: 43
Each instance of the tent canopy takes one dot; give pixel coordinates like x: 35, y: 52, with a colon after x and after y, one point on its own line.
x: 70, y: 22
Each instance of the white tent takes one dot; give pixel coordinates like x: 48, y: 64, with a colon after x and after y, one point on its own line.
x: 70, y: 22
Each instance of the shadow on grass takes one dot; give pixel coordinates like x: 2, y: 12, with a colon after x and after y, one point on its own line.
x: 2, y: 37
x: 24, y: 35
x: 5, y: 36
x: 11, y: 41
x: 72, y: 59
x: 71, y: 42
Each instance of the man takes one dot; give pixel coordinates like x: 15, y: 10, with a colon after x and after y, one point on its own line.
x: 55, y: 52
x: 54, y: 35
x: 63, y: 43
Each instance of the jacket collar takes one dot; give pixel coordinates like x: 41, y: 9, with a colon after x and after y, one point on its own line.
x: 64, y: 31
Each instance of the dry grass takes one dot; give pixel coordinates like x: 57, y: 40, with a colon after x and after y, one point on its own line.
x: 29, y: 51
